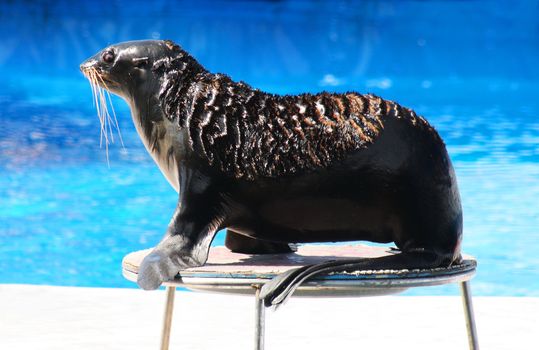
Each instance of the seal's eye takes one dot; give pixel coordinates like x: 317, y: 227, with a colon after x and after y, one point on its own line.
x: 108, y: 56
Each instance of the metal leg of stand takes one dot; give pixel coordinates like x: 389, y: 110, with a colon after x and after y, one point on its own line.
x: 260, y: 314
x: 167, y: 322
x: 469, y: 315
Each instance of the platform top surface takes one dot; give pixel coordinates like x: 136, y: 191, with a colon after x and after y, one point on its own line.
x: 222, y: 263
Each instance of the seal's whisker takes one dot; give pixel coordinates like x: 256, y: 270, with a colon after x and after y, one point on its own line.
x: 96, y: 102
x: 101, y: 107
x: 103, y: 134
x: 112, y: 121
x: 115, y: 120
x: 92, y: 79
x: 101, y: 99
x: 106, y: 116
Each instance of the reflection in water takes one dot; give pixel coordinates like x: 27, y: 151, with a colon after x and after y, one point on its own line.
x: 452, y: 62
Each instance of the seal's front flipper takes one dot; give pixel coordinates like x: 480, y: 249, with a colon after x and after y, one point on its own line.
x: 281, y: 287
x: 239, y: 243
x: 198, y: 216
x: 156, y: 268
x: 187, y: 248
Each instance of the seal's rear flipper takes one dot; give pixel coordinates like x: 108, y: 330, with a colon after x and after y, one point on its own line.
x: 239, y: 243
x: 281, y: 287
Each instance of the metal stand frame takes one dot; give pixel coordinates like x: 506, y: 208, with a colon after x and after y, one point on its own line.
x: 473, y: 342
x: 260, y: 317
x: 260, y: 320
x: 167, y: 321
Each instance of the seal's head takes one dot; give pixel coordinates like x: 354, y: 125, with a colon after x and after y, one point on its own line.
x: 144, y: 73
x: 127, y: 69
x: 133, y: 70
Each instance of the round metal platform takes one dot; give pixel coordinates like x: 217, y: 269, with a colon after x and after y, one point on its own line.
x: 228, y: 272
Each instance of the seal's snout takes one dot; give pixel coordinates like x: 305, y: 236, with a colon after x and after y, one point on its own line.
x: 88, y: 64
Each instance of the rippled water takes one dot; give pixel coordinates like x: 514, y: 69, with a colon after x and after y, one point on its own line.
x: 67, y: 218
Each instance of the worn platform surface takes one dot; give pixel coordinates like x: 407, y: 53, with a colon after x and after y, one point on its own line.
x: 223, y: 261
x: 42, y: 317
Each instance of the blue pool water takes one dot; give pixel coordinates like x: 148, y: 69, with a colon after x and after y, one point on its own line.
x: 67, y: 218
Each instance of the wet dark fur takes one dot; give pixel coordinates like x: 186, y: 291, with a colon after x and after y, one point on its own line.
x: 249, y: 133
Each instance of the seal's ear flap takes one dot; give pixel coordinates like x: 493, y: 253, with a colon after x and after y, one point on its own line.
x: 140, y: 62
x: 172, y: 46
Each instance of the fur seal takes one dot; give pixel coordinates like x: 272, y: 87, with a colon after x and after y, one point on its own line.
x: 276, y: 170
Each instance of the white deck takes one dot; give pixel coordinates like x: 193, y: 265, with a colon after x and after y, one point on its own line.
x: 43, y: 317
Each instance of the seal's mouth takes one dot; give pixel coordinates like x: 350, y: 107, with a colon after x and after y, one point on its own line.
x: 106, y: 82
x: 100, y: 90
x: 98, y: 77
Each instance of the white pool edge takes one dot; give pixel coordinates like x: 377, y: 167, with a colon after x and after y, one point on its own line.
x: 46, y: 317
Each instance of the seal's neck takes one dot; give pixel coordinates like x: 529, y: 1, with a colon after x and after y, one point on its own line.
x: 156, y: 133
x: 146, y: 112
x: 171, y: 76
